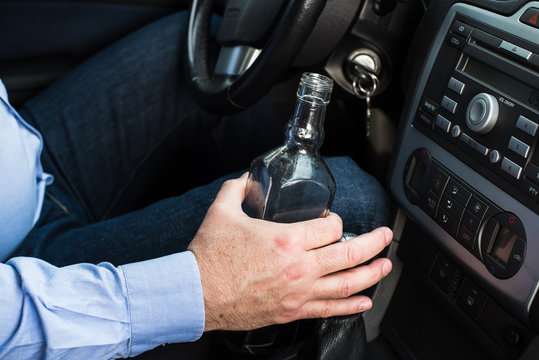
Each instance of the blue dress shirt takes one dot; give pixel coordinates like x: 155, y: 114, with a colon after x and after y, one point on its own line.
x: 82, y: 311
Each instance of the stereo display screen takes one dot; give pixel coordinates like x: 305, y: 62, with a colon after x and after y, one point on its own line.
x: 502, y: 82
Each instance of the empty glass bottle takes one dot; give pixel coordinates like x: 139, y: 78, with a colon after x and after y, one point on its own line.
x: 292, y: 182
x: 288, y: 184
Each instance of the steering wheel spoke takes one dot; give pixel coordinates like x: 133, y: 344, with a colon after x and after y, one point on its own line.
x: 248, y: 65
x: 235, y: 60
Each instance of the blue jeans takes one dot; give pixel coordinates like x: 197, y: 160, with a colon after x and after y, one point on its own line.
x: 123, y: 121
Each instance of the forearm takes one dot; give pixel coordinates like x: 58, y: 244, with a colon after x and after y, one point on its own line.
x: 97, y: 311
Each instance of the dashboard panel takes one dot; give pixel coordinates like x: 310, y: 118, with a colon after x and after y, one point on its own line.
x: 464, y: 169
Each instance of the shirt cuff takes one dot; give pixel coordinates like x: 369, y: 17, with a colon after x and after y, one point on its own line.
x: 166, y: 303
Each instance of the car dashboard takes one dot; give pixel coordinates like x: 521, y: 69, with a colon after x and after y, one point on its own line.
x: 466, y: 172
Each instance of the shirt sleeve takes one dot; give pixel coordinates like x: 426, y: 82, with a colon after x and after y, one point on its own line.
x: 87, y: 311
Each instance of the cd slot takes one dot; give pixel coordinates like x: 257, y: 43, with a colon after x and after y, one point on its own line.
x: 505, y: 49
x: 509, y: 67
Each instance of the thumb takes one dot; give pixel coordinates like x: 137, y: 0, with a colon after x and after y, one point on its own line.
x: 232, y: 191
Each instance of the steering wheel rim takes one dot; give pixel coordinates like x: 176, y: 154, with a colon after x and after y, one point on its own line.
x: 226, y: 94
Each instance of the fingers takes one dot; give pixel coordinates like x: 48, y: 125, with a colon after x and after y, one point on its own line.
x: 327, y: 308
x: 350, y: 253
x: 322, y: 231
x: 232, y: 192
x: 349, y: 282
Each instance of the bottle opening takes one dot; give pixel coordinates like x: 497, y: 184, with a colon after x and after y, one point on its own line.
x: 315, y: 88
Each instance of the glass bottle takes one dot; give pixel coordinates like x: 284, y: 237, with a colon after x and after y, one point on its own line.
x: 288, y: 184
x: 292, y: 182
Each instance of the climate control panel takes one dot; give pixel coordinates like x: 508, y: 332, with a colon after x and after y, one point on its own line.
x: 494, y: 236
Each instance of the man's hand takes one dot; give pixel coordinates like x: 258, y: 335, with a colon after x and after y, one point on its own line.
x: 257, y: 273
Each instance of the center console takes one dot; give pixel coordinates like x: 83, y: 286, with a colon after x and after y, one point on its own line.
x: 467, y: 165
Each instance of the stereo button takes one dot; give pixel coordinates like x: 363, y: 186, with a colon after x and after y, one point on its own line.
x: 449, y: 104
x: 517, y: 50
x: 482, y: 113
x: 511, y: 168
x: 456, y: 41
x: 456, y: 86
x: 483, y: 150
x: 443, y: 123
x: 526, y: 125
x: 494, y: 156
x: 519, y: 147
x: 461, y: 28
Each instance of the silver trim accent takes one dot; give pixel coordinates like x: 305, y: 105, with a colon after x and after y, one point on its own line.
x: 517, y: 292
x: 235, y: 60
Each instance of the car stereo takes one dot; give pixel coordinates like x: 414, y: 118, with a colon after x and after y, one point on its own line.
x: 482, y: 104
x: 467, y: 167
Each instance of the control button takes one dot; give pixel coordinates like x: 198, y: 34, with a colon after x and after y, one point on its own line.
x: 483, y: 150
x: 447, y: 222
x: 449, y: 104
x: 471, y: 298
x: 455, y: 131
x: 443, y: 272
x: 517, y: 256
x: 511, y: 168
x: 456, y: 41
x: 476, y: 207
x: 532, y: 173
x: 517, y: 50
x: 456, y: 86
x: 531, y: 189
x: 471, y: 222
x: 429, y: 106
x: 466, y: 238
x: 530, y: 17
x: 482, y: 113
x: 526, y: 125
x: 461, y: 28
x: 438, y: 181
x: 458, y: 192
x: 423, y: 119
x: 494, y: 156
x: 452, y: 207
x: 519, y: 147
x: 430, y: 204
x: 442, y: 123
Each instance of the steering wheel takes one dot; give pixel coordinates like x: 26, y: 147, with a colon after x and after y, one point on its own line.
x: 258, y: 42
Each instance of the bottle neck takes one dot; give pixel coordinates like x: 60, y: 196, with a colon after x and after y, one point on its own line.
x: 305, y: 129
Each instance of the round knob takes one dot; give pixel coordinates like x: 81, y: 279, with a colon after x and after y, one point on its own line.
x: 482, y: 113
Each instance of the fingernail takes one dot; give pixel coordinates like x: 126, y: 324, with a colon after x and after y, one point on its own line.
x: 366, y: 305
x: 389, y: 236
x: 386, y: 269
